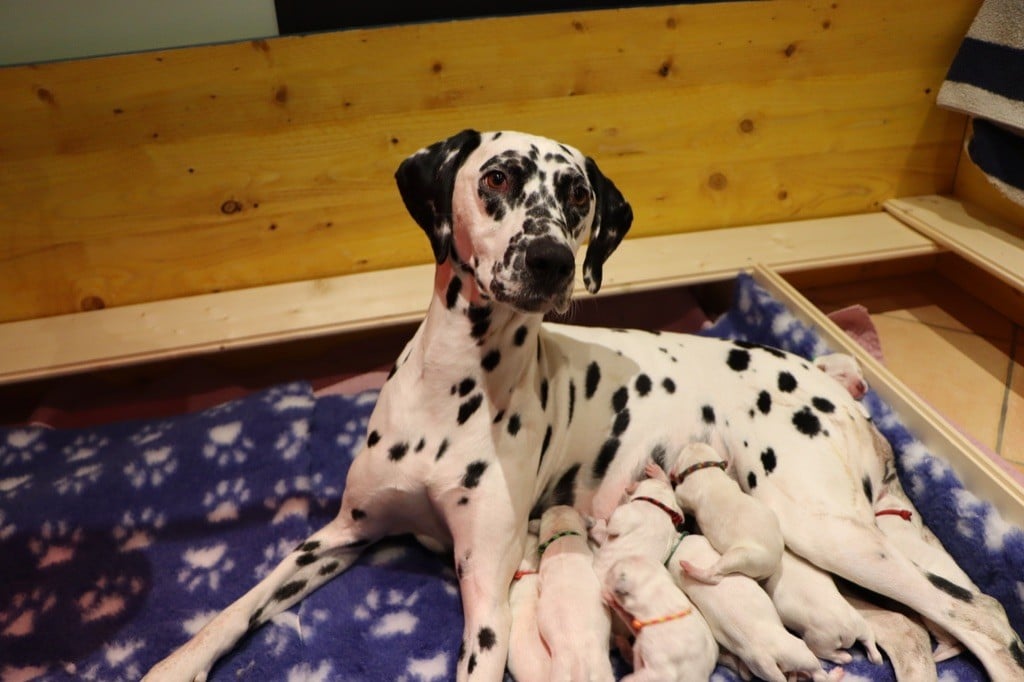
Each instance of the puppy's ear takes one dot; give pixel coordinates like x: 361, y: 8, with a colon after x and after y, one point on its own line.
x: 426, y: 181
x: 612, y: 217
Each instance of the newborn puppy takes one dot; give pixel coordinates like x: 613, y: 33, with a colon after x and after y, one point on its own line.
x: 646, y: 524
x: 528, y: 657
x: 571, y: 615
x: 846, y: 370
x: 740, y: 527
x: 904, y: 639
x: 743, y: 619
x: 811, y: 605
x: 673, y: 641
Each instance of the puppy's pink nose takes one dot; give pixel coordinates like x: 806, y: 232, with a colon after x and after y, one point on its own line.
x: 859, y: 389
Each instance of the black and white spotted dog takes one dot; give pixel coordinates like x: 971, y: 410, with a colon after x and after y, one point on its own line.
x: 490, y: 415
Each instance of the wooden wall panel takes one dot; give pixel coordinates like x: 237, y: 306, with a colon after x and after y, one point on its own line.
x: 156, y: 175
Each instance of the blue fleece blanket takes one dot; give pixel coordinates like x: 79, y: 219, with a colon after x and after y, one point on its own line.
x: 118, y: 542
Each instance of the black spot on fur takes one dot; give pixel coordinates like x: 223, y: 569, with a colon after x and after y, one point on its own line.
x: 452, y: 295
x: 467, y: 408
x: 546, y: 443
x: 289, y: 590
x: 498, y: 417
x: 593, y: 379
x: 254, y: 619
x: 474, y: 471
x: 398, y: 451
x: 869, y: 491
x: 519, y: 338
x: 463, y: 501
x: 305, y: 559
x: 658, y: 455
x: 513, y: 425
x: 668, y: 385
x: 544, y: 394
x: 806, y: 422
x: 621, y: 423
x: 441, y: 449
x: 572, y: 399
x: 952, y: 589
x: 356, y: 543
x: 310, y: 546
x: 768, y: 460
x: 330, y: 568
x: 491, y: 360
x: 738, y: 360
x: 787, y: 382
x: 471, y: 666
x: 764, y: 402
x: 358, y: 514
x: 465, y: 386
x: 605, y: 457
x: 564, y: 492
x: 486, y: 638
x: 768, y: 349
x: 372, y: 439
x: 1017, y: 652
x: 620, y: 398
x: 823, y: 405
x: 420, y: 445
x: 707, y: 413
x: 462, y: 649
x: 751, y: 481
x: 643, y: 384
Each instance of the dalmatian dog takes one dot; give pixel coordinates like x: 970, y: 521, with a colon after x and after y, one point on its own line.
x: 810, y: 604
x: 492, y: 415
x: 673, y: 641
x: 744, y: 620
x: 739, y: 526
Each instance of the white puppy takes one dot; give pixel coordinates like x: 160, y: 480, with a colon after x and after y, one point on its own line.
x: 528, y: 657
x: 673, y: 641
x: 743, y: 619
x: 846, y: 370
x: 811, y: 605
x: 740, y: 527
x: 571, y: 614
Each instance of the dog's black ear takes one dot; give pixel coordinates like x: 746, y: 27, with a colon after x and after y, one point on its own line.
x: 426, y: 180
x: 612, y: 217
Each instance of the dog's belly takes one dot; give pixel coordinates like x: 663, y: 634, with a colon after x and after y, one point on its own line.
x: 624, y: 396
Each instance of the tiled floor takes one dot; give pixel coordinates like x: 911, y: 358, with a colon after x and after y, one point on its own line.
x: 953, y: 350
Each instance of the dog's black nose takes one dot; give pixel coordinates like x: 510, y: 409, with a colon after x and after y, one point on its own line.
x: 551, y: 265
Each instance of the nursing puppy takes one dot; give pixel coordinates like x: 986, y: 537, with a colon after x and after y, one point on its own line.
x: 740, y: 527
x: 845, y: 369
x: 743, y: 618
x: 528, y: 657
x: 673, y: 641
x: 571, y: 615
x: 811, y: 605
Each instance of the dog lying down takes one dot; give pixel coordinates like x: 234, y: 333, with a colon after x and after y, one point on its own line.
x: 492, y: 415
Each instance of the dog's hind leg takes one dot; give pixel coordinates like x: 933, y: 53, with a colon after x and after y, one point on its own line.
x: 325, y: 554
x: 857, y: 550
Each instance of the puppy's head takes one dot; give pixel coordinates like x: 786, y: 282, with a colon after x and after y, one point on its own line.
x: 510, y: 211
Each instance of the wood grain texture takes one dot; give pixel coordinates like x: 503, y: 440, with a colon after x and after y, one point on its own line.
x: 158, y: 175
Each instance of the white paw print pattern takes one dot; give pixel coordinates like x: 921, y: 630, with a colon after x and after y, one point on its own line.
x: 223, y: 502
x: 227, y: 445
x: 290, y: 443
x: 353, y: 435
x: 21, y: 446
x: 19, y: 620
x: 156, y: 465
x: 7, y: 530
x: 79, y: 479
x: 57, y: 543
x: 150, y: 433
x: 84, y: 447
x: 205, y: 567
x: 119, y: 663
x: 108, y: 597
x: 426, y: 669
x: 137, y: 529
x: 289, y: 397
x: 273, y: 554
x: 13, y: 486
x: 389, y: 613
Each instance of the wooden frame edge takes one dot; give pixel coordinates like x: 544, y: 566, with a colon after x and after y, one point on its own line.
x: 978, y: 472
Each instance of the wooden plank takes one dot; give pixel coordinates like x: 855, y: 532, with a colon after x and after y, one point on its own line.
x: 173, y: 173
x: 78, y: 342
x: 977, y: 234
x: 978, y: 473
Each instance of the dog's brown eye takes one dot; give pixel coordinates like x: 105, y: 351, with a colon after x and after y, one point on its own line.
x: 579, y: 195
x: 496, y: 181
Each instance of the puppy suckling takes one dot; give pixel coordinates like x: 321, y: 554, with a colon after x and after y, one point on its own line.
x: 571, y: 614
x: 744, y: 531
x: 528, y: 657
x: 810, y: 604
x: 673, y: 640
x: 743, y: 619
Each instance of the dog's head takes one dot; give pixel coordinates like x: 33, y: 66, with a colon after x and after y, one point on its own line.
x: 511, y: 210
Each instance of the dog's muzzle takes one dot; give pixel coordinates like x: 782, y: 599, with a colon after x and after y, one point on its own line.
x: 550, y: 267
